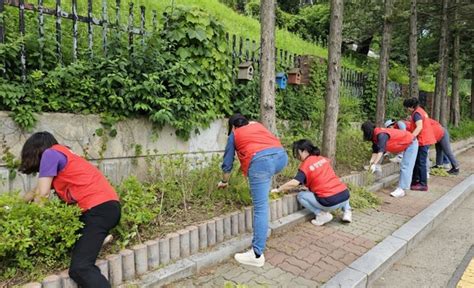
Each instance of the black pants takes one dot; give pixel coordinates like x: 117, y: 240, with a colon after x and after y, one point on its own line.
x: 98, y: 221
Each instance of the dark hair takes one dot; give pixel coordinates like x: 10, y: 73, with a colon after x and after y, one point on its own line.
x: 411, y: 103
x: 368, y: 129
x: 237, y: 120
x: 33, y: 149
x: 305, y: 145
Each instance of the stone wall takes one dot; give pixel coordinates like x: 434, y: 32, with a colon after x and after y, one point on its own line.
x: 116, y: 156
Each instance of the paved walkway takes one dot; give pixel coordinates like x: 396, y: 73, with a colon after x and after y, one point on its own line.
x: 448, y: 243
x: 308, y: 256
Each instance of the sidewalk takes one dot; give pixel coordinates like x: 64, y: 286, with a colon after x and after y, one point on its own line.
x: 308, y: 256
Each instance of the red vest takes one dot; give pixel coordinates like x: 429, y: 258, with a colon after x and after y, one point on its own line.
x: 81, y: 182
x: 320, y: 177
x: 438, y: 130
x: 249, y: 140
x: 426, y: 136
x: 398, y: 141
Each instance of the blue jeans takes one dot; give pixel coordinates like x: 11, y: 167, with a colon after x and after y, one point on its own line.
x: 407, y: 165
x: 420, y: 172
x: 309, y: 201
x: 260, y: 175
x: 443, y: 150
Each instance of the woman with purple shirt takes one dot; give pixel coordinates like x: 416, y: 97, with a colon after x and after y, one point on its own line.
x: 77, y: 182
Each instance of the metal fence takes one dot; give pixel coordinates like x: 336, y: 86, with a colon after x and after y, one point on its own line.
x: 242, y: 49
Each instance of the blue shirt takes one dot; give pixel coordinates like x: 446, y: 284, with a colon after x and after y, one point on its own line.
x: 229, y: 153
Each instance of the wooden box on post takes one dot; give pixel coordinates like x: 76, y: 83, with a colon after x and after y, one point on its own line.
x: 294, y: 76
x: 281, y: 80
x: 246, y: 71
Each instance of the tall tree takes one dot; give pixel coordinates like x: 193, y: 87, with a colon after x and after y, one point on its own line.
x: 413, y: 53
x: 455, y: 109
x: 442, y: 60
x: 383, y: 65
x: 472, y: 90
x: 267, y: 64
x: 333, y: 80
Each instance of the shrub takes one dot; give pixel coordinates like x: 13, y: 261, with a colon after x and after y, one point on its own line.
x: 139, y: 208
x: 35, y: 235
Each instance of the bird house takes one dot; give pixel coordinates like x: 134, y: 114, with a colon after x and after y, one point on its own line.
x: 281, y: 80
x: 246, y: 71
x: 294, y: 76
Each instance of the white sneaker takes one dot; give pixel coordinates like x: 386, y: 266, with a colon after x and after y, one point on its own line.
x: 347, y: 216
x: 322, y: 218
x: 108, y: 239
x: 249, y: 258
x: 398, y: 193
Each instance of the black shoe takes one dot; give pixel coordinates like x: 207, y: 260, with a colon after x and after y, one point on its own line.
x: 454, y: 171
x: 435, y: 167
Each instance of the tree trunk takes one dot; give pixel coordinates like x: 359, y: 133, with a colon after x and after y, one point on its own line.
x: 443, y: 55
x: 444, y: 109
x: 472, y: 90
x: 333, y: 81
x: 267, y: 65
x: 383, y: 65
x: 413, y: 54
x: 455, y: 109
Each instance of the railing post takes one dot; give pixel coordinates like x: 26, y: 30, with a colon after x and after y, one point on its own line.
x: 90, y: 35
x: 21, y: 19
x: 40, y: 31
x: 104, y: 26
x: 2, y: 27
x: 74, y: 30
x: 58, y: 32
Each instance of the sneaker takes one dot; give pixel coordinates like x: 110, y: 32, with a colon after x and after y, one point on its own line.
x: 347, y: 216
x: 398, y: 193
x: 322, y: 218
x: 249, y: 258
x: 419, y: 187
x: 108, y: 239
x: 435, y: 167
x: 454, y: 171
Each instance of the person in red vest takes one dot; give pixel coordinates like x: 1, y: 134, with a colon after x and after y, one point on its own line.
x: 393, y: 141
x: 444, y: 153
x: 326, y: 191
x: 443, y: 147
x: 261, y: 156
x: 78, y: 182
x: 424, y: 132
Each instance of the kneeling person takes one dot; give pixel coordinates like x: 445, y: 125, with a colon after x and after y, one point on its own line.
x: 326, y: 190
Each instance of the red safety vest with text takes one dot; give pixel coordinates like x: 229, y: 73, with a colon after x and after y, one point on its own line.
x: 81, y: 182
x: 426, y: 136
x: 249, y: 140
x: 320, y: 177
x: 398, y: 140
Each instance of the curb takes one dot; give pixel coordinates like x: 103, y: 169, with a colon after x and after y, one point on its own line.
x: 366, y: 269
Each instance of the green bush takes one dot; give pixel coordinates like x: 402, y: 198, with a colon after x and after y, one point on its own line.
x: 351, y: 152
x: 464, y: 131
x: 139, y: 208
x: 32, y: 235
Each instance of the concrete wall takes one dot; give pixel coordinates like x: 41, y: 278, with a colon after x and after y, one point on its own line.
x: 119, y: 159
